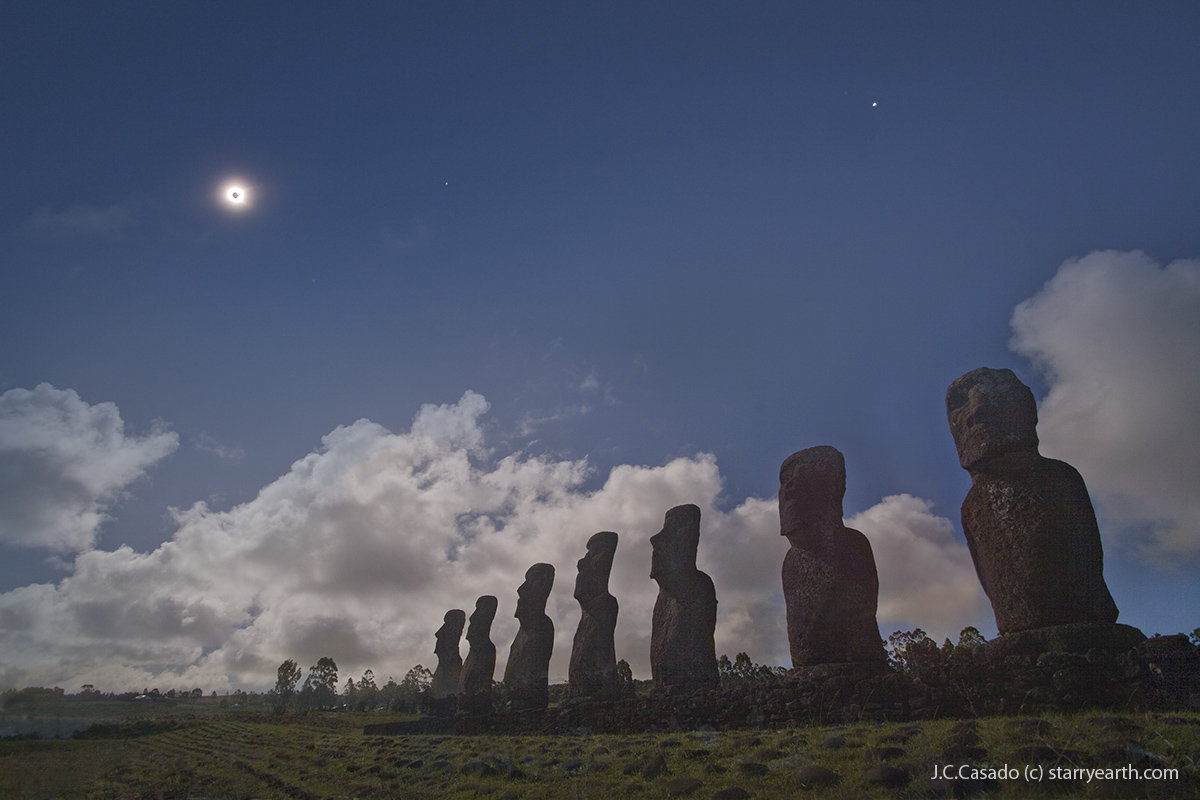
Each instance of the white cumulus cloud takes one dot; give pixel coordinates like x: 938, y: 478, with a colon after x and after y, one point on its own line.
x: 62, y: 463
x: 1117, y: 336
x: 926, y: 577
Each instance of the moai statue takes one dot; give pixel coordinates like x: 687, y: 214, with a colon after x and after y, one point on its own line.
x: 682, y: 651
x: 829, y: 580
x: 593, y: 669
x: 527, y: 674
x: 475, y: 686
x: 443, y: 689
x: 1028, y: 519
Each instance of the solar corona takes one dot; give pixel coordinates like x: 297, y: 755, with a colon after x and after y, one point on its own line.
x: 235, y: 196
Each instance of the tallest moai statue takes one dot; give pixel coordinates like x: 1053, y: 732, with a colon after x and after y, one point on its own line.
x: 1028, y: 519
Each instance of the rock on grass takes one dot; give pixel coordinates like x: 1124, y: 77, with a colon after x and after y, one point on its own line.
x: 886, y: 776
x: 815, y: 776
x: 682, y: 786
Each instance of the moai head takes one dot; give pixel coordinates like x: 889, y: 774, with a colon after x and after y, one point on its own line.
x: 450, y: 632
x: 533, y: 593
x: 675, y: 546
x: 480, y: 629
x: 812, y: 483
x: 595, y: 566
x: 991, y: 414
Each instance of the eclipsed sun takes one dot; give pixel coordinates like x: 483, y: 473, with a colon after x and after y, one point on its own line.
x: 235, y: 196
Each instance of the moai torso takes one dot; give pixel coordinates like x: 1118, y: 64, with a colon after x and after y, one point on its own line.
x: 830, y: 584
x: 682, y: 645
x: 526, y: 675
x: 593, y: 667
x: 478, y: 672
x: 1028, y: 519
x: 449, y: 668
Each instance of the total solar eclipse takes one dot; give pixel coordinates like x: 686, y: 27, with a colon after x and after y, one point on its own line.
x: 235, y: 195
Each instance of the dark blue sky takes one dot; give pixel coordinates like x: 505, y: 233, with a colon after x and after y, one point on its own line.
x: 641, y: 231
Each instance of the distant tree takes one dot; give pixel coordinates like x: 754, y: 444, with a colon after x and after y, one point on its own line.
x: 914, y: 653
x: 324, y: 674
x: 970, y: 637
x: 406, y: 695
x: 31, y: 695
x: 320, y: 687
x: 368, y: 692
x: 417, y: 679
x: 743, y: 667
x: 744, y: 672
x: 287, y: 676
x: 736, y: 672
x: 387, y: 694
x: 626, y: 687
x: 1195, y: 637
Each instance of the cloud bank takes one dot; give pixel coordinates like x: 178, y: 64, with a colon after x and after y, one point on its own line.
x: 62, y: 464
x: 926, y: 577
x: 1117, y: 337
x: 360, y: 548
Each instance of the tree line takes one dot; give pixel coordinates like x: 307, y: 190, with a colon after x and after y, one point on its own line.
x: 320, y: 689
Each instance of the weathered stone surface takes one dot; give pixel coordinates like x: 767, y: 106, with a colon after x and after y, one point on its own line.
x: 887, y: 776
x: 1028, y: 520
x: 682, y: 648
x: 1172, y: 672
x: 475, y: 686
x: 526, y: 676
x: 1075, y: 638
x: 991, y: 413
x: 682, y: 786
x: 444, y: 686
x: 593, y: 667
x: 732, y: 793
x: 830, y: 583
x: 815, y: 776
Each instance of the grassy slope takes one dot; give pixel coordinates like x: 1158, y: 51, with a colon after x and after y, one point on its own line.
x: 327, y: 756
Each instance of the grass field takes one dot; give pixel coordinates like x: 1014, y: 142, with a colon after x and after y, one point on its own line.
x: 328, y: 756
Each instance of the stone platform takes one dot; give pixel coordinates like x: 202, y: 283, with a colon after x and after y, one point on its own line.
x: 1061, y: 668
